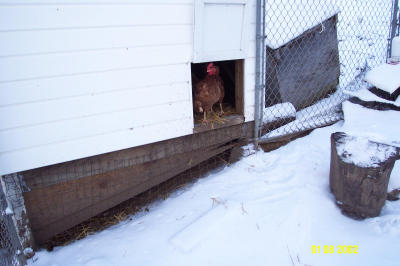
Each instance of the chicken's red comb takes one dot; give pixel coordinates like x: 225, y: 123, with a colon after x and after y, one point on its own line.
x: 210, y: 65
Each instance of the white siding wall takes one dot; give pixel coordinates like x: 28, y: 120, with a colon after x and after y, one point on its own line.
x: 85, y: 77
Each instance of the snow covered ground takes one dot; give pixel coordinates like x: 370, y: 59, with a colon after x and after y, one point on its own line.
x: 267, y: 209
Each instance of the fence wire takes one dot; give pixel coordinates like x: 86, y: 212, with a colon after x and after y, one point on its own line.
x: 315, y: 51
x: 145, y: 201
x: 10, y: 248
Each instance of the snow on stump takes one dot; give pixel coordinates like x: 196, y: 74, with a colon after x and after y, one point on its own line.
x: 359, y: 174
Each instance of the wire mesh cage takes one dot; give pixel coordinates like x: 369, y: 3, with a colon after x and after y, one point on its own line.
x: 145, y: 201
x: 10, y: 248
x: 316, y: 51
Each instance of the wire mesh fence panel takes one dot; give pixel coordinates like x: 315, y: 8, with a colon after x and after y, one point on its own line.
x: 314, y: 52
x: 10, y: 249
x: 144, y: 202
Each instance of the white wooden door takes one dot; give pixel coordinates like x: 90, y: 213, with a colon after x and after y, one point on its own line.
x: 219, y: 30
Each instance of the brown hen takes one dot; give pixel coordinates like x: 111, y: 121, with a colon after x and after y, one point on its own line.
x: 209, y: 91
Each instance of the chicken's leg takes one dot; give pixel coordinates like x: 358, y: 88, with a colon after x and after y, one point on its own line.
x: 204, y: 117
x: 222, y: 110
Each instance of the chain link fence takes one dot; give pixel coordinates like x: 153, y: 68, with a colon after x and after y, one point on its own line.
x: 10, y: 248
x: 145, y: 201
x: 315, y: 51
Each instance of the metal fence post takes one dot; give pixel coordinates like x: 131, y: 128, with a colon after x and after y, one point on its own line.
x: 259, y: 77
x: 394, y: 26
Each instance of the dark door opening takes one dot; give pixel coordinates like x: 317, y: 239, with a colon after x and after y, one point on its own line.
x: 231, y: 73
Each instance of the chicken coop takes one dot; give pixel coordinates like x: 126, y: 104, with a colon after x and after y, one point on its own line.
x: 99, y: 106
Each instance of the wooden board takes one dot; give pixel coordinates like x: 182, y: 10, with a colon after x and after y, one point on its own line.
x: 229, y: 120
x: 64, y: 195
x: 304, y: 70
x: 54, y: 174
x: 239, y: 87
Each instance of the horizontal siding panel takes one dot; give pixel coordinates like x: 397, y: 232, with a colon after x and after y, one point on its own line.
x: 41, y: 66
x: 69, y: 108
x: 54, y: 41
x: 67, y: 130
x: 94, y: 2
x: 33, y: 17
x: 89, y: 84
x: 51, y: 154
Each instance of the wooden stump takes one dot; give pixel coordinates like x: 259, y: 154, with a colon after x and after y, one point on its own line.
x: 360, y: 189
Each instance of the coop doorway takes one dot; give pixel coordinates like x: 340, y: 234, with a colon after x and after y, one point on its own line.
x: 232, y: 74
